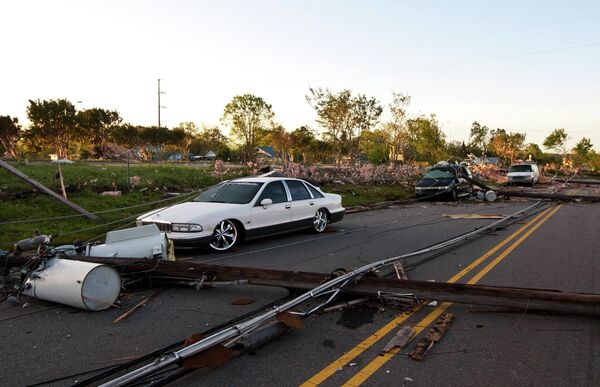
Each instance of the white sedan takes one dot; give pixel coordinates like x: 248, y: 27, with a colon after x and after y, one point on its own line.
x: 250, y: 207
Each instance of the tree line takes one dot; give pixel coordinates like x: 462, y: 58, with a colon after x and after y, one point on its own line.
x: 353, y: 131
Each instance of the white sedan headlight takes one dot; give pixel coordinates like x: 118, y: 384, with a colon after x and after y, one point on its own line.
x: 185, y: 227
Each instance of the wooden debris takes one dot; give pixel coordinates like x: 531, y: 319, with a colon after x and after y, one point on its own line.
x: 135, y: 308
x: 400, y: 339
x: 62, y: 183
x: 346, y: 304
x: 400, y: 273
x: 290, y: 320
x: 434, y: 335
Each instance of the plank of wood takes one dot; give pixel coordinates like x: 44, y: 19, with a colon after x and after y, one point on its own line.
x: 40, y: 187
x: 434, y: 335
x: 135, y: 308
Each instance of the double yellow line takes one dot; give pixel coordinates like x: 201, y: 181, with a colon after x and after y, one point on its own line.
x: 379, y: 361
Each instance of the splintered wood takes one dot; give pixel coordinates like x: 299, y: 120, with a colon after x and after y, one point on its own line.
x: 434, y: 335
x: 400, y: 273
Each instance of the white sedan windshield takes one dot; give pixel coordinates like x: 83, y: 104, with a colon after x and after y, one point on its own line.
x: 230, y: 192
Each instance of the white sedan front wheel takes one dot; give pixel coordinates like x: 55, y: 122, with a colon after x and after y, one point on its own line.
x: 225, y: 236
x: 320, y: 221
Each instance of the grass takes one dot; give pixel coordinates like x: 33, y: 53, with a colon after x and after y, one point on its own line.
x: 85, y: 181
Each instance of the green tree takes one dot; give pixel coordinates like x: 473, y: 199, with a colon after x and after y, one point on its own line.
x: 373, y: 145
x: 10, y: 132
x: 334, y: 113
x: 396, y: 131
x: 280, y: 140
x: 53, y: 124
x: 188, y: 132
x: 303, y: 139
x: 248, y: 116
x: 365, y: 112
x: 95, y: 125
x: 457, y: 150
x: 583, y: 154
x: 557, y: 141
x: 427, y: 138
x: 507, y: 145
x: 126, y: 135
x: 479, y: 137
x: 533, y: 150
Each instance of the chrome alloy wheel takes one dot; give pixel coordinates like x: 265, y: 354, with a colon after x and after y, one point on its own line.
x: 320, y: 221
x: 224, y: 236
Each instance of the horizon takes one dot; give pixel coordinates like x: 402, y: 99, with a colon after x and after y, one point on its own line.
x: 529, y: 71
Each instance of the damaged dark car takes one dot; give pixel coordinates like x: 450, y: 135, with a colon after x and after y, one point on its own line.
x: 448, y: 181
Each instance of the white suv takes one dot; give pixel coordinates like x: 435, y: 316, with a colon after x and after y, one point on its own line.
x: 523, y: 174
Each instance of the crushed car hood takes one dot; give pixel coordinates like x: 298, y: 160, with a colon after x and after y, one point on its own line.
x: 424, y: 183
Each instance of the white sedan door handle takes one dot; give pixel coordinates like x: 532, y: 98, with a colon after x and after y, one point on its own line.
x: 312, y: 203
x: 287, y: 206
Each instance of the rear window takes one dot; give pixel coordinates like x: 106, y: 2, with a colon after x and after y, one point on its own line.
x: 315, y: 192
x: 298, y: 190
x: 520, y: 168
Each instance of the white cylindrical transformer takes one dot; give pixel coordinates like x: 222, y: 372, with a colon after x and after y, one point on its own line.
x: 85, y: 285
x: 491, y: 196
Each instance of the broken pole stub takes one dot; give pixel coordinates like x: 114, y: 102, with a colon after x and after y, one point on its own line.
x: 42, y: 188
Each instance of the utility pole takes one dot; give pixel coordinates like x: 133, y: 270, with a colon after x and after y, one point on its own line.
x: 159, y: 102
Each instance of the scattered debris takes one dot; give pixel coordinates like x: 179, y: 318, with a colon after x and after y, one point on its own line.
x: 400, y: 273
x: 111, y: 193
x: 400, y: 339
x: 135, y: 308
x: 290, y: 320
x: 434, y: 335
x: 346, y: 304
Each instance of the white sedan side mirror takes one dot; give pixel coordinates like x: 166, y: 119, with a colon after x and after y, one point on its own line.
x: 266, y: 202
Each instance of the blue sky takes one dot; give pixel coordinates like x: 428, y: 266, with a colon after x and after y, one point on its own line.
x: 523, y: 66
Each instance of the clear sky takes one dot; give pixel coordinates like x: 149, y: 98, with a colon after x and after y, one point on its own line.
x: 528, y: 66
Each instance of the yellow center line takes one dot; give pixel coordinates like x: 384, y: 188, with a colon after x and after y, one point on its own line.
x: 379, y: 361
x: 332, y: 368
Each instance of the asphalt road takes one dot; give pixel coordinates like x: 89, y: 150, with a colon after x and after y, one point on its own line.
x: 557, y: 250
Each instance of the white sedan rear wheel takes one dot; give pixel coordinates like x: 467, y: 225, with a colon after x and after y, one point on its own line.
x: 320, y: 221
x: 225, y: 236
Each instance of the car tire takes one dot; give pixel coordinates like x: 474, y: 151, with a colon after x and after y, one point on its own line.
x: 225, y: 236
x: 454, y: 195
x: 320, y: 221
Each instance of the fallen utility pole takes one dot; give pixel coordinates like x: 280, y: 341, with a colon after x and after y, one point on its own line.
x: 329, y: 289
x: 547, y: 195
x: 578, y: 181
x: 40, y: 187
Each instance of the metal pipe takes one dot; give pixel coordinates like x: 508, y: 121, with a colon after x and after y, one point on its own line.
x: 244, y: 327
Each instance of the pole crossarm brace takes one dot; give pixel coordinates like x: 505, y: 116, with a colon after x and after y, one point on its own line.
x: 40, y: 187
